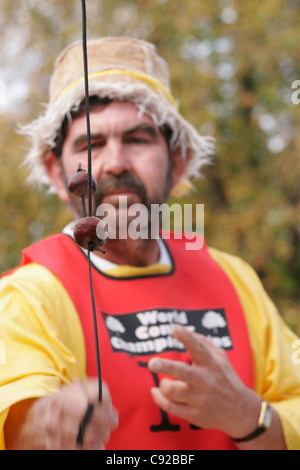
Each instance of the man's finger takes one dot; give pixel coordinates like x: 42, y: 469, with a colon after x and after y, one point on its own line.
x: 177, y: 409
x: 195, y: 344
x: 175, y: 390
x: 176, y: 369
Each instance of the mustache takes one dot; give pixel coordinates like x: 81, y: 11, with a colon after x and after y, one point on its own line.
x: 110, y: 183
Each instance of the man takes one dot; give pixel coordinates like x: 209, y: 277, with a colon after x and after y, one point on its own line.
x: 193, y: 353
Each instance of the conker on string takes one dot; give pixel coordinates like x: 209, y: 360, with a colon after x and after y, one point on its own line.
x: 78, y: 183
x: 90, y: 233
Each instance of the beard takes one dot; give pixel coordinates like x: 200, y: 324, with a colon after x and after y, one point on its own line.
x: 129, y: 182
x: 139, y: 199
x: 125, y: 181
x: 110, y: 183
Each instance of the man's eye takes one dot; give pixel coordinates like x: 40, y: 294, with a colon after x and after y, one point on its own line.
x: 137, y: 140
x: 97, y: 144
x: 94, y: 145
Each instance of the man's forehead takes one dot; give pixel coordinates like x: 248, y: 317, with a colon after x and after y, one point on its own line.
x: 115, y: 116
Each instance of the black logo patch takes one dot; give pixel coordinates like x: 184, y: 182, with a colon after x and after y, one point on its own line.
x: 149, y: 331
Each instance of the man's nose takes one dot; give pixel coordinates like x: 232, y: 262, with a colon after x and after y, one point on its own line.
x: 116, y: 159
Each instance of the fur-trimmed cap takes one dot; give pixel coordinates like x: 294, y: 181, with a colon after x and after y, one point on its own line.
x: 123, y: 69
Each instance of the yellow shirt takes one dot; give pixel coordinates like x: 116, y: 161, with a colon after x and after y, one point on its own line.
x: 42, y: 343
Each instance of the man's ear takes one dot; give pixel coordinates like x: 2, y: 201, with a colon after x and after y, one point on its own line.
x: 179, y: 166
x: 55, y: 173
x: 181, y: 185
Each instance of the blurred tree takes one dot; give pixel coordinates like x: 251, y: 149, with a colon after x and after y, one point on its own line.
x: 232, y: 67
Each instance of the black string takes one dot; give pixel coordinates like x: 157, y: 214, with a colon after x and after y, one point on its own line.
x: 83, y: 424
x: 86, y: 82
x: 83, y: 205
x: 85, y: 60
x: 95, y: 328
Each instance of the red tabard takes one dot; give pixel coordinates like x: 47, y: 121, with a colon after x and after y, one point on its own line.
x: 134, y: 318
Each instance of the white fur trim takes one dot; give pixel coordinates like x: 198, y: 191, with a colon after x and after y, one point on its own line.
x: 43, y: 131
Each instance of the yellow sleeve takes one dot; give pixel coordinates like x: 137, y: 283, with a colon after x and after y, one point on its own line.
x: 42, y: 343
x: 277, y: 375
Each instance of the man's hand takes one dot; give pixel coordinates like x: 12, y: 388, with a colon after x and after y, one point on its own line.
x: 66, y: 410
x: 53, y: 422
x: 207, y: 393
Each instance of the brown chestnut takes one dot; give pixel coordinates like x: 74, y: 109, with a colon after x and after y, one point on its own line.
x: 90, y: 233
x: 78, y: 184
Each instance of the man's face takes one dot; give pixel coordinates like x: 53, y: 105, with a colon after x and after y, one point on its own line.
x: 130, y: 157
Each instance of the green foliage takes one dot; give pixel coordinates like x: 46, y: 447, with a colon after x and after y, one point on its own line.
x: 232, y: 67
